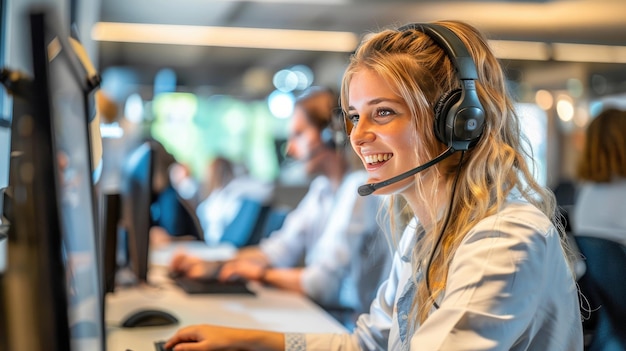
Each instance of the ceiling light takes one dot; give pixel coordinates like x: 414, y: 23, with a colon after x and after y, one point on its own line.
x: 329, y: 41
x: 520, y: 50
x: 589, y: 53
x: 262, y: 38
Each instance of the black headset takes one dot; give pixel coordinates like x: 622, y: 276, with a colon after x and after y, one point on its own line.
x: 329, y: 138
x: 459, y: 115
x: 334, y: 134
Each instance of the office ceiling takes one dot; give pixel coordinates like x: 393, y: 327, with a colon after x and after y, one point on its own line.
x: 244, y: 71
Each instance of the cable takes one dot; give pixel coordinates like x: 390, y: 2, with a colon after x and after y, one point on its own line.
x: 443, y: 229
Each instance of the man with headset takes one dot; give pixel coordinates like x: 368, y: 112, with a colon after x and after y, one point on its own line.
x: 333, y: 231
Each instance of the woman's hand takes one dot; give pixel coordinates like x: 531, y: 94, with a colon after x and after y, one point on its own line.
x: 210, y: 337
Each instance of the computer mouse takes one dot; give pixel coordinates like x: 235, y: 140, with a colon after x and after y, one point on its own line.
x: 149, y: 318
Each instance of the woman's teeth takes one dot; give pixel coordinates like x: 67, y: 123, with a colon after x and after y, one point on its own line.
x: 373, y: 159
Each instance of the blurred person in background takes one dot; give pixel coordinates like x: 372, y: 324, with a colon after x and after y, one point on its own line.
x: 184, y: 183
x: 599, y: 214
x: 172, y: 215
x: 217, y: 209
x: 330, y: 246
x: 227, y: 194
x: 229, y: 188
x: 600, y: 207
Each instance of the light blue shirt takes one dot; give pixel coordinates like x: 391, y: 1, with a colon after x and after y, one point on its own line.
x: 509, y: 288
x: 337, y: 236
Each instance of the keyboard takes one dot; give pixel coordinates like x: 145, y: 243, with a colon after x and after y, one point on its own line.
x: 159, y: 346
x: 213, y: 286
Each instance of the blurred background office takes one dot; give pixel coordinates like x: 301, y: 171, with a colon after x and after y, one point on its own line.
x: 219, y: 78
x: 208, y: 78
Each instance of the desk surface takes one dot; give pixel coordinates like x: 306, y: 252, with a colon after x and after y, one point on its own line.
x: 270, y: 309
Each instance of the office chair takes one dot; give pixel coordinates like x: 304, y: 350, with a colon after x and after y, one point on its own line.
x: 254, y: 222
x: 244, y: 230
x: 274, y: 220
x: 605, y: 287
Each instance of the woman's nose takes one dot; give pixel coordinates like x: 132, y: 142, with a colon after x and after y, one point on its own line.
x: 360, y: 133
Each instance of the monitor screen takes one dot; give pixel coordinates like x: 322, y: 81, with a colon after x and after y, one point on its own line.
x: 52, y: 286
x: 76, y: 196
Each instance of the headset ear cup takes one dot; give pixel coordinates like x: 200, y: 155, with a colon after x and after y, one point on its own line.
x: 328, y: 138
x: 442, y: 109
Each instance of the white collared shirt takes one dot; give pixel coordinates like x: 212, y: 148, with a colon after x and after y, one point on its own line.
x: 509, y: 288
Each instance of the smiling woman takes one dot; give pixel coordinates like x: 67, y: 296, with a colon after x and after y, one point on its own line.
x: 469, y: 268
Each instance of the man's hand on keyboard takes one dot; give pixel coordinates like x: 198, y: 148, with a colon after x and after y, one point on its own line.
x: 193, y: 267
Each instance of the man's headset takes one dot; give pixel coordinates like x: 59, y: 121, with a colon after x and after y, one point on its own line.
x: 333, y: 134
x: 459, y: 115
x: 331, y: 139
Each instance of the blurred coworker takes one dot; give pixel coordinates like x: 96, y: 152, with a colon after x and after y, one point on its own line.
x: 227, y: 191
x: 601, y: 202
x: 170, y: 215
x: 231, y: 195
x: 333, y: 230
x: 184, y: 183
x: 220, y: 174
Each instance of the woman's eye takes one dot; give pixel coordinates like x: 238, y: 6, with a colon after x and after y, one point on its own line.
x: 384, y: 113
x: 353, y: 118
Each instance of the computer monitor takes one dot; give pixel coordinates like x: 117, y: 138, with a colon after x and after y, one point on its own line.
x: 51, y: 287
x: 137, y: 197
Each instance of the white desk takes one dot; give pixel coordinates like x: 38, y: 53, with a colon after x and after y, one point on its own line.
x: 270, y: 309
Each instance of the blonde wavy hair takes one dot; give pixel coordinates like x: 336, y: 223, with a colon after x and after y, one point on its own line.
x: 420, y: 72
